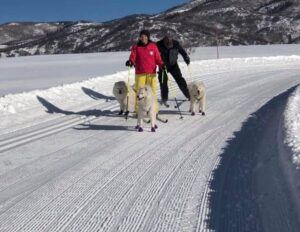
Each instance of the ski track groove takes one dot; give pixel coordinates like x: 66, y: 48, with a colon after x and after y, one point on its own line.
x: 110, y: 226
x: 41, y: 133
x: 175, y: 199
x: 92, y: 189
x: 65, y: 173
x: 97, y: 212
x: 18, y: 175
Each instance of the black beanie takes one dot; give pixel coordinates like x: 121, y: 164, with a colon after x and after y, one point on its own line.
x: 146, y: 33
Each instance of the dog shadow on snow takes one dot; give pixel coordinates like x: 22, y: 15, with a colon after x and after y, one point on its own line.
x: 97, y: 96
x: 52, y: 109
x: 244, y: 187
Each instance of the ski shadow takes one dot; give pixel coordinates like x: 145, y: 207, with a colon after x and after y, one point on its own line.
x: 96, y: 96
x: 235, y: 200
x: 85, y: 127
x: 174, y: 112
x: 52, y: 109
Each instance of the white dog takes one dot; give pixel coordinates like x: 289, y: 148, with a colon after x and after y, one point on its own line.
x: 147, y: 107
x: 197, y: 92
x: 120, y: 91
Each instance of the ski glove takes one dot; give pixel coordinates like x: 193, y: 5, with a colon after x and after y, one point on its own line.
x: 129, y: 63
x: 187, y: 61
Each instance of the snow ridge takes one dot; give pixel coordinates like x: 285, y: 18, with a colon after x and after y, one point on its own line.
x: 292, y: 125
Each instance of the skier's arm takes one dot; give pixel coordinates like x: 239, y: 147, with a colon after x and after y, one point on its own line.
x: 184, y: 54
x: 158, y: 59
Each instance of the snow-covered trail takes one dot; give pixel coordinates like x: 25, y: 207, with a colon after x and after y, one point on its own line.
x: 98, y: 174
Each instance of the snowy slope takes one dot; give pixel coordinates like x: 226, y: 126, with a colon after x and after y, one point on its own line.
x: 24, y: 74
x: 238, y: 22
x: 68, y: 163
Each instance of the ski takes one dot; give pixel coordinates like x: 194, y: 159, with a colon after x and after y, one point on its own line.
x: 158, y: 118
x: 164, y: 103
x: 179, y: 103
x: 178, y: 107
x: 146, y: 120
x: 163, y: 120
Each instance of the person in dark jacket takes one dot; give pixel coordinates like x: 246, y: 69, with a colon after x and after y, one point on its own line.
x: 169, y: 50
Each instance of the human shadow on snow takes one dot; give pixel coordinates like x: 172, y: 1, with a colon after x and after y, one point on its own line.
x: 51, y: 109
x: 104, y: 127
x: 248, y: 190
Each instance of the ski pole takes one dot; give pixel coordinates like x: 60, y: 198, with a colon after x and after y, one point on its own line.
x: 173, y: 93
x: 189, y: 68
x: 127, y: 98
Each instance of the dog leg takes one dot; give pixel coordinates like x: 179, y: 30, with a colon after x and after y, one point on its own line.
x: 193, y: 106
x: 123, y: 106
x: 153, y: 121
x: 203, y: 104
x: 140, y: 121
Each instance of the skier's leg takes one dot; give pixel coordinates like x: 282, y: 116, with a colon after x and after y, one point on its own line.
x: 176, y: 73
x: 151, y: 80
x: 140, y: 81
x: 163, y: 82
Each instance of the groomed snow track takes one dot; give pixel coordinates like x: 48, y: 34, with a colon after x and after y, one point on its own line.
x: 89, y: 170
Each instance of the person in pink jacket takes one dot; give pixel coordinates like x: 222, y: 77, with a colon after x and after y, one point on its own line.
x: 145, y: 57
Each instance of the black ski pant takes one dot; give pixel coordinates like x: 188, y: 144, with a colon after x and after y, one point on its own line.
x: 177, y: 75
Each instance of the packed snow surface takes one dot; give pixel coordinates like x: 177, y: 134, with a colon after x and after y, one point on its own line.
x: 68, y: 162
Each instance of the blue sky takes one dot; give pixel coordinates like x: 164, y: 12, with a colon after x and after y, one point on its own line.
x: 69, y: 10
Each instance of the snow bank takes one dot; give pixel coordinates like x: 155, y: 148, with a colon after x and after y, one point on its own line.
x: 238, y: 63
x: 290, y: 147
x: 68, y: 94
x: 292, y: 126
